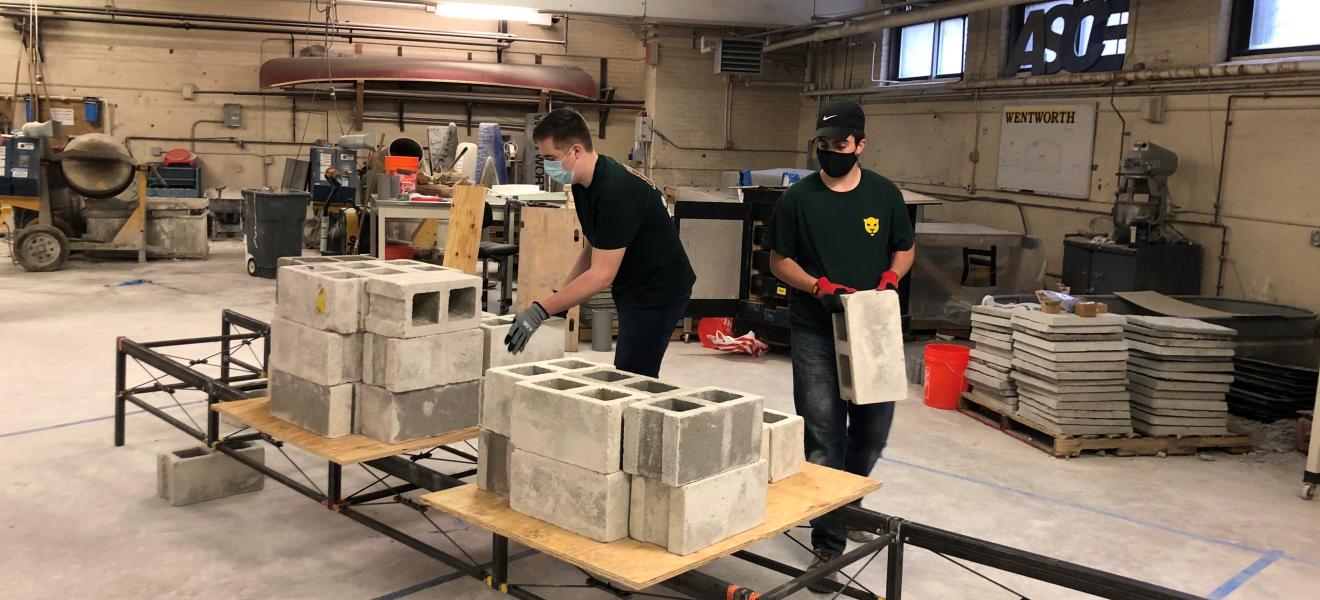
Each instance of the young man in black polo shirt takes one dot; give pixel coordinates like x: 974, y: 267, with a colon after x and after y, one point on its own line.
x: 633, y: 248
x: 834, y: 232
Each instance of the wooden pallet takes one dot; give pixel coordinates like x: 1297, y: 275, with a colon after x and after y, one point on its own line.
x: 1063, y: 445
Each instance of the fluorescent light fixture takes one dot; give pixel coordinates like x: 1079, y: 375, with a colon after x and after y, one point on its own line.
x: 493, y: 12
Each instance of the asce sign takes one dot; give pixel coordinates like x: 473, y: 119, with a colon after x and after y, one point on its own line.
x: 1040, y: 36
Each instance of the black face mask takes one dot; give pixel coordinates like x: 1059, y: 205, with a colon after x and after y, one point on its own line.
x: 835, y: 164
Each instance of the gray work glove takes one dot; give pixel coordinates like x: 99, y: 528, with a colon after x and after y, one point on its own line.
x: 524, y: 325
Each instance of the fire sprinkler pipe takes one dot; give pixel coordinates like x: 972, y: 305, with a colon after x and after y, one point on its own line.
x: 852, y: 28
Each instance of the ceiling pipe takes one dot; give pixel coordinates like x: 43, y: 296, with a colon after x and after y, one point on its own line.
x: 819, y: 21
x: 851, y: 28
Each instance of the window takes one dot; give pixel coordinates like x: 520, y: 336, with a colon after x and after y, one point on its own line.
x: 1114, y: 33
x: 1271, y: 26
x: 929, y: 50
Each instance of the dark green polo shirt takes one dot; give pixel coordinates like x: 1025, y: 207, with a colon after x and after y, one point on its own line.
x: 849, y: 237
x: 623, y: 209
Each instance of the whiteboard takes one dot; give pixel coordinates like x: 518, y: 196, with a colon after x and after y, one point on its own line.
x: 1047, y: 149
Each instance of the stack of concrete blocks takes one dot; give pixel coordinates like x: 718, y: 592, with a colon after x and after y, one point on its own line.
x: 1071, y: 372
x: 547, y: 344
x: 988, y: 369
x: 868, y: 345
x: 494, y: 448
x: 1179, y: 372
x: 699, y: 476
x: 346, y: 357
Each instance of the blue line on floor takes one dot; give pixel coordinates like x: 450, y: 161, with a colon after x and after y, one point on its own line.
x: 1252, y: 569
x: 91, y: 420
x: 430, y: 583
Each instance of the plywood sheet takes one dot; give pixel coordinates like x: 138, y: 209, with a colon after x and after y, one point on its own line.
x: 549, y: 243
x: 638, y: 565
x: 463, y: 237
x: 345, y: 450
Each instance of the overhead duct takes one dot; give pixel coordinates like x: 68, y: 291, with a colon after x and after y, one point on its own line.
x: 851, y: 28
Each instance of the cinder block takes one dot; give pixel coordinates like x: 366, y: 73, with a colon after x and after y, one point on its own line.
x: 325, y: 410
x: 869, y: 339
x: 398, y: 417
x: 497, y: 399
x: 323, y: 357
x: 420, y: 303
x: 782, y: 443
x: 197, y: 474
x: 573, y: 422
x: 329, y: 300
x: 494, y: 452
x: 651, y: 386
x: 407, y: 364
x: 690, y: 517
x: 547, y: 344
x: 686, y: 436
x: 580, y: 500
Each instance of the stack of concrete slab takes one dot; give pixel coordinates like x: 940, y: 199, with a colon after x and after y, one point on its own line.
x: 699, y: 475
x: 1179, y: 372
x: 1071, y: 372
x: 388, y: 349
x: 992, y: 359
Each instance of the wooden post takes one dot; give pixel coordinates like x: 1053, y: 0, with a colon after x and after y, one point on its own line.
x: 464, y: 236
x: 359, y: 106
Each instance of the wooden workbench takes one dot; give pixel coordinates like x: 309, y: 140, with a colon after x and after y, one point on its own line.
x: 638, y: 565
x: 344, y: 450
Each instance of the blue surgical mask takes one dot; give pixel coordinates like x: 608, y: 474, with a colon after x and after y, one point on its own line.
x: 554, y: 169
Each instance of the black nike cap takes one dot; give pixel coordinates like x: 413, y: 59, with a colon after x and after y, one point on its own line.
x: 840, y: 119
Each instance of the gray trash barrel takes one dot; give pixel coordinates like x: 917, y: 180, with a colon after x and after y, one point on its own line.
x: 272, y: 228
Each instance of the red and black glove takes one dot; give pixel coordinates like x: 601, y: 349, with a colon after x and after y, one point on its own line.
x: 888, y: 281
x: 829, y: 294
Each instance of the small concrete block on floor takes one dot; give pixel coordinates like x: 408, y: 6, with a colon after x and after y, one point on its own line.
x: 782, y: 443
x: 546, y: 344
x: 686, y: 436
x: 406, y: 364
x: 421, y: 303
x: 868, y: 337
x: 494, y: 452
x: 392, y: 417
x: 690, y: 517
x: 571, y: 421
x: 329, y: 300
x: 499, y: 382
x: 326, y: 410
x: 323, y: 357
x: 197, y: 473
x: 580, y: 500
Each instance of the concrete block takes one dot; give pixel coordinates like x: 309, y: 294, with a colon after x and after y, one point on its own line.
x: 419, y: 303
x: 392, y: 417
x: 499, y: 383
x: 869, y: 339
x: 591, y: 504
x: 691, y: 517
x: 326, y: 410
x: 547, y: 344
x: 323, y: 357
x: 651, y: 386
x: 1117, y: 345
x: 494, y: 453
x: 197, y: 474
x: 406, y: 364
x: 330, y: 300
x: 782, y: 443
x: 691, y: 435
x: 567, y: 420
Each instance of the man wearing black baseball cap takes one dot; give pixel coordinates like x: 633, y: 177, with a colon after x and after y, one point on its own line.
x: 834, y: 232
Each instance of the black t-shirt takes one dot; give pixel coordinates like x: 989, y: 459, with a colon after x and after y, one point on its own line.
x: 849, y: 237
x: 623, y: 209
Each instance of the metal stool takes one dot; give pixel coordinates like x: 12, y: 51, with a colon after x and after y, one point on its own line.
x: 503, y: 254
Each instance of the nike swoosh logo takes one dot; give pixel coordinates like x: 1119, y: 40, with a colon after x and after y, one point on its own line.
x: 828, y: 117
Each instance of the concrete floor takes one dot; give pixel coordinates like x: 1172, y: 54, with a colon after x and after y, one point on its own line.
x: 79, y: 517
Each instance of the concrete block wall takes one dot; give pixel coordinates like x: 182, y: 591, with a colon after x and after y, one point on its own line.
x: 334, y: 372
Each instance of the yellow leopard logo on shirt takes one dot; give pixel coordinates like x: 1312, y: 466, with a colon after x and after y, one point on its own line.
x: 872, y: 225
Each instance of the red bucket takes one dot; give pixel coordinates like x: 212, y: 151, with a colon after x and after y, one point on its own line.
x: 398, y: 251
x: 944, y: 377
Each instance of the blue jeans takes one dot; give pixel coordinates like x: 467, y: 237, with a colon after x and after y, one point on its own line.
x: 839, y: 434
x: 644, y: 333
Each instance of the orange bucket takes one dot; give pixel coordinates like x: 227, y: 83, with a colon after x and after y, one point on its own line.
x: 406, y: 168
x: 944, y: 377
